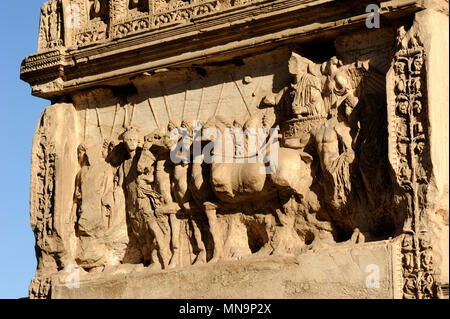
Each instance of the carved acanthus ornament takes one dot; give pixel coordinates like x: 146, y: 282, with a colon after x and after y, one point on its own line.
x: 410, y: 158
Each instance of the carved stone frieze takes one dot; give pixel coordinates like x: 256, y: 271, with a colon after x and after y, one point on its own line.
x: 232, y: 140
x: 151, y: 29
x: 180, y: 14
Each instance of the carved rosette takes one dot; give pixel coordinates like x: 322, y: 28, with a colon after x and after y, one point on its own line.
x: 409, y: 156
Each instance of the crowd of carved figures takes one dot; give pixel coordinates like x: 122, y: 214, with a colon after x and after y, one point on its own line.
x: 331, y: 184
x: 319, y: 178
x: 141, y: 192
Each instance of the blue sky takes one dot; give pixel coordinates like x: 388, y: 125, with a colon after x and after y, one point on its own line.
x: 19, y: 21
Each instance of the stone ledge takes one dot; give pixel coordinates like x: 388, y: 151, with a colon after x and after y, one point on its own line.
x: 331, y: 273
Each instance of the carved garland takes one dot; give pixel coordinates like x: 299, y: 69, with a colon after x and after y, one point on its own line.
x: 185, y: 14
x: 133, y: 26
x: 410, y: 159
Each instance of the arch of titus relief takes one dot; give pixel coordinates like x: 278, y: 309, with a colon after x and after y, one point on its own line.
x: 241, y: 149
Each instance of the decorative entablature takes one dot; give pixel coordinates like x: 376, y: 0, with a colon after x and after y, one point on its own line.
x: 81, y: 23
x: 98, y: 40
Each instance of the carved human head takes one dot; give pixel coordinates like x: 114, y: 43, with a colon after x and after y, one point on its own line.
x: 187, y: 125
x: 344, y: 111
x: 331, y: 66
x: 403, y: 107
x: 400, y: 67
x: 172, y: 126
x: 155, y: 138
x: 148, y: 141
x: 407, y: 241
x: 426, y: 257
x: 424, y: 240
x: 418, y: 63
x: 132, y: 139
x: 341, y: 85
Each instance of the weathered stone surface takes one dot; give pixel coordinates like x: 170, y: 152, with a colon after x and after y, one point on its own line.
x: 145, y: 185
x: 337, y: 273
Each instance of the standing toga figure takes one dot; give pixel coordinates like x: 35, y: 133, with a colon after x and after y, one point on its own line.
x: 142, y: 202
x: 173, y: 180
x: 163, y: 184
x: 99, y: 209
